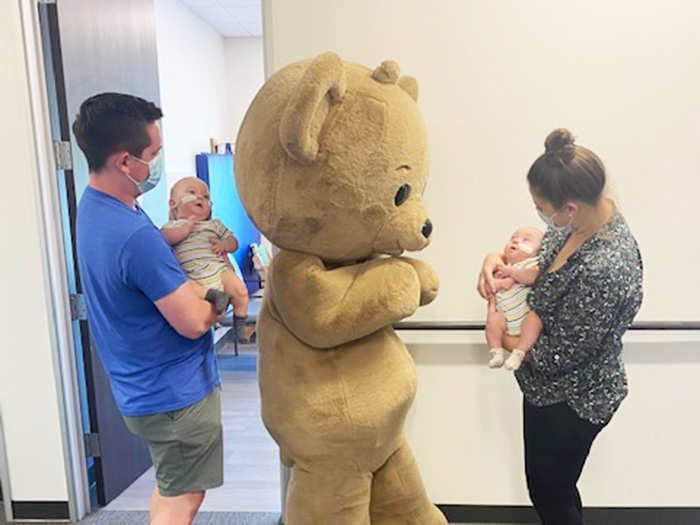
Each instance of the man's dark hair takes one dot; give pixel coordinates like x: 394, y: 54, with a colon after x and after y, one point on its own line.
x: 112, y: 122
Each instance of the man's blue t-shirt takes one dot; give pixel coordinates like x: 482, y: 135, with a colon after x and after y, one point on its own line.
x: 126, y: 265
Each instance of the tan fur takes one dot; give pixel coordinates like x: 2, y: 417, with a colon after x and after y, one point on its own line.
x: 320, y: 157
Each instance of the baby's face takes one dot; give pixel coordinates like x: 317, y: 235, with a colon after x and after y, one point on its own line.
x: 190, y: 198
x: 523, y: 244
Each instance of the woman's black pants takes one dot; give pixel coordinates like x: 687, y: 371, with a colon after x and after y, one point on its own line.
x: 557, y: 442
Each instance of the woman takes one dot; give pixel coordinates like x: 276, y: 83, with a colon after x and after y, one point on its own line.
x: 587, y: 294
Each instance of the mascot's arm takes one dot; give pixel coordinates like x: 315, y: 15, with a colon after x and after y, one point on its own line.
x: 327, y: 308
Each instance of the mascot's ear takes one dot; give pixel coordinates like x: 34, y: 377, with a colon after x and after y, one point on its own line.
x: 409, y: 85
x: 322, y: 86
x: 389, y: 73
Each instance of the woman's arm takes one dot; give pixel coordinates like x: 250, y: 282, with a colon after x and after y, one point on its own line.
x: 589, y: 313
x: 521, y: 275
x: 486, y: 285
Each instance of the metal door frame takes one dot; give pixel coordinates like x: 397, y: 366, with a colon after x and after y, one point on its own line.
x: 55, y: 269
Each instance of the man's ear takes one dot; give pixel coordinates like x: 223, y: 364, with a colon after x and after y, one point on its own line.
x: 119, y: 160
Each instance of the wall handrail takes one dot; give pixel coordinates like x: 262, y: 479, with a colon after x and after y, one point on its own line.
x: 466, y: 326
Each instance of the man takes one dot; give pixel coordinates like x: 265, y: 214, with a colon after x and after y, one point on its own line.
x: 151, y: 327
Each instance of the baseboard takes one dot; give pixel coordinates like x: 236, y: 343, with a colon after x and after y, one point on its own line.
x: 36, y: 510
x: 592, y: 515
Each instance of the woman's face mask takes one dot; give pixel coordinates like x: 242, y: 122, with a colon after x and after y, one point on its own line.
x: 549, y: 220
x: 155, y: 173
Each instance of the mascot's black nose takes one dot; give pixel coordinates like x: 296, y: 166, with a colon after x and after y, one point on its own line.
x: 427, y: 229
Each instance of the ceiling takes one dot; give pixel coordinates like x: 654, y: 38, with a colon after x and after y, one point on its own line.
x: 231, y: 18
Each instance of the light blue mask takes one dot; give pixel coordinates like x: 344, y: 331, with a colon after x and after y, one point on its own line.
x: 155, y: 173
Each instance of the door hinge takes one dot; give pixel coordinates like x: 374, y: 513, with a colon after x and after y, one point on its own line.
x: 77, y: 307
x: 64, y: 159
x: 92, y: 445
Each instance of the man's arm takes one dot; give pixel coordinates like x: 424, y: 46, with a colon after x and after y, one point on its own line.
x: 148, y: 264
x: 187, y: 311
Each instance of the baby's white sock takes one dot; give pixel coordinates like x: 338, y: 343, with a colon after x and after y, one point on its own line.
x: 498, y: 357
x: 515, y: 359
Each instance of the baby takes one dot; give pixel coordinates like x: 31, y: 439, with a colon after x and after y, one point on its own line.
x: 509, y: 313
x: 201, y: 245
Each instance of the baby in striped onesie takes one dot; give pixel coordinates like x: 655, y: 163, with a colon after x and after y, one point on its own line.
x: 201, y: 246
x: 509, y: 314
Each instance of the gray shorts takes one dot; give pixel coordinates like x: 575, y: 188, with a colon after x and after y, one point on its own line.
x: 186, y: 445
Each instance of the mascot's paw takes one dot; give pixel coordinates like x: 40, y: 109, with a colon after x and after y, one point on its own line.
x: 429, y: 282
x: 515, y: 360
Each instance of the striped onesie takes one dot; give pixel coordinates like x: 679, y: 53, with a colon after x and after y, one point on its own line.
x: 513, y: 303
x: 196, y: 255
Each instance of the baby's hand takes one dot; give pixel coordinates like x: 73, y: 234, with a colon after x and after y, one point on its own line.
x: 190, y: 224
x: 505, y: 283
x: 503, y: 271
x: 219, y: 247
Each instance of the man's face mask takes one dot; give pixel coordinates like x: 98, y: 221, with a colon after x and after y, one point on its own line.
x: 155, y: 173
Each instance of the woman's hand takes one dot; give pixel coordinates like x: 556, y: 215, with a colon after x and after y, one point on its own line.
x: 486, y: 285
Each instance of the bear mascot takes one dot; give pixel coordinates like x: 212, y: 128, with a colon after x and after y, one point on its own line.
x: 331, y: 164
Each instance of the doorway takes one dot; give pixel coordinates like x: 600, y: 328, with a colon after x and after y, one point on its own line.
x: 115, y: 458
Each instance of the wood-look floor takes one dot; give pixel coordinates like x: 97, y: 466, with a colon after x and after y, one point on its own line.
x: 251, y: 457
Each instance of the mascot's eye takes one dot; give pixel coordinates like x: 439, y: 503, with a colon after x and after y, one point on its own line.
x: 402, y: 194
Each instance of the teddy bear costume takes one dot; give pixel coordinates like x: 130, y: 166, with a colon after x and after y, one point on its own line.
x: 331, y: 164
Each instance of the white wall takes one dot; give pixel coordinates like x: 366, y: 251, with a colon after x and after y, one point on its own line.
x: 466, y: 426
x: 192, y: 64
x: 28, y: 395
x: 245, y: 74
x: 496, y: 76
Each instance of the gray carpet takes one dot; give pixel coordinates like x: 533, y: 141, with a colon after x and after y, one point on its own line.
x: 128, y: 517
x: 106, y: 517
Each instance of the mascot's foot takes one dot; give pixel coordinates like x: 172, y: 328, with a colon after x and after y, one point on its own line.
x: 398, y: 495
x: 219, y: 299
x: 498, y: 357
x: 515, y: 360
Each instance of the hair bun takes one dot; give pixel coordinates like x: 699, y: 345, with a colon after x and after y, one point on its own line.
x: 559, y: 146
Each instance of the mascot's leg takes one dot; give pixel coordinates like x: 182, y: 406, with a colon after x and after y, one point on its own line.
x: 328, y: 497
x: 398, y: 496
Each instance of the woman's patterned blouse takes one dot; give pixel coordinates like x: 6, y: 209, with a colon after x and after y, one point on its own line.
x: 585, y: 306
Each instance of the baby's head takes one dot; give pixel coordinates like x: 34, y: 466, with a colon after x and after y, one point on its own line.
x: 523, y: 244
x: 189, y: 197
